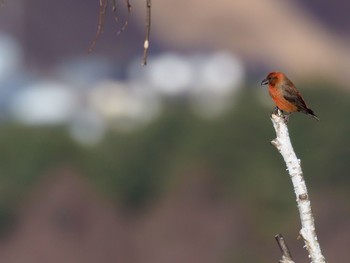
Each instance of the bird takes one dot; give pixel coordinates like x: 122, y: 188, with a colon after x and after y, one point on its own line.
x: 285, y: 95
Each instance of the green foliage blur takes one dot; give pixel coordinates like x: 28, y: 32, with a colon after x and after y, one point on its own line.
x: 137, y: 168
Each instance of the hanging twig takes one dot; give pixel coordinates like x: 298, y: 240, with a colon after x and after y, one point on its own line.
x: 101, y: 24
x: 148, y: 30
x: 126, y: 23
x: 286, y: 256
x: 114, y: 10
x: 284, y: 146
x: 102, y: 18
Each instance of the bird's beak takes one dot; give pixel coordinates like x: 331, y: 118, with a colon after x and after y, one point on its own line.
x: 264, y: 82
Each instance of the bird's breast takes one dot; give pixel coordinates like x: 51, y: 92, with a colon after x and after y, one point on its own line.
x: 275, y: 93
x: 277, y: 96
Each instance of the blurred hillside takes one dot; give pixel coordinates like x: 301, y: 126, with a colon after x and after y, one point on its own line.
x: 274, y: 34
x: 217, y: 186
x: 305, y: 39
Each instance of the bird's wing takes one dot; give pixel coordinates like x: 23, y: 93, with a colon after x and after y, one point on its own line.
x: 291, y: 94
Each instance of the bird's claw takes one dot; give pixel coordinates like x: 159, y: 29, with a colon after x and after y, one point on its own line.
x: 285, y: 118
x: 279, y: 113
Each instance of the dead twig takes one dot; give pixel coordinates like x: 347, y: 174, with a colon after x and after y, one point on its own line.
x: 148, y: 30
x: 102, y: 18
x: 114, y: 10
x: 101, y: 24
x: 286, y: 256
x: 126, y: 22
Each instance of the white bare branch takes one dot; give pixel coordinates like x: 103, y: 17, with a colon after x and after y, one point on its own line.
x: 284, y: 146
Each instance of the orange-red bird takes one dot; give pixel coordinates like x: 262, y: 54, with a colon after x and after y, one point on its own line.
x: 285, y: 94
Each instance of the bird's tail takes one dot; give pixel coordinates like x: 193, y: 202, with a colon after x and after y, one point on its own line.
x: 311, y: 113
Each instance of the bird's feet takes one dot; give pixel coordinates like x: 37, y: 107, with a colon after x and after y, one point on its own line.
x: 286, y: 118
x: 279, y: 113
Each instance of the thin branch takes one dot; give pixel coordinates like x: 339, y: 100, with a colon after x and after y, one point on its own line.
x: 286, y: 256
x: 284, y: 146
x: 148, y: 30
x: 114, y: 6
x: 102, y: 18
x: 101, y: 24
x: 114, y: 10
x: 126, y: 23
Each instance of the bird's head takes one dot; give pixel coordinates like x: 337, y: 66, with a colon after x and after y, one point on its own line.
x: 272, y: 78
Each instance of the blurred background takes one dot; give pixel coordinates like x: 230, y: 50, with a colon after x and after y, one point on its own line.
x: 103, y: 160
